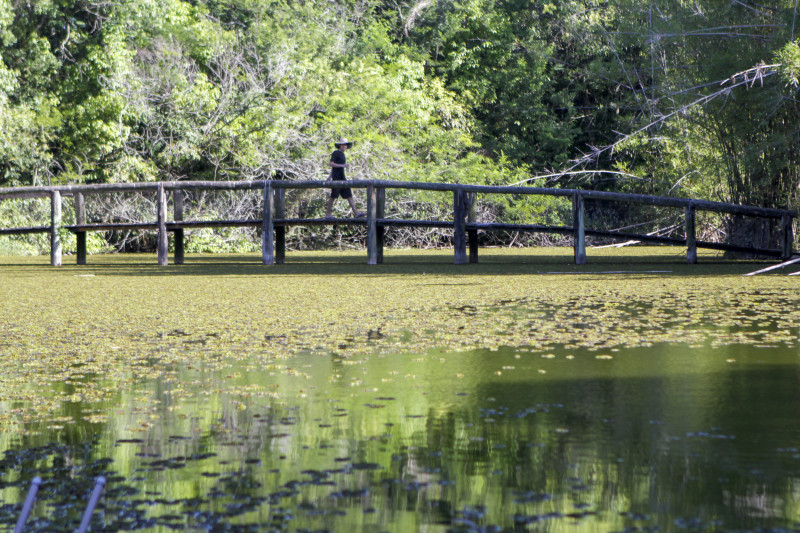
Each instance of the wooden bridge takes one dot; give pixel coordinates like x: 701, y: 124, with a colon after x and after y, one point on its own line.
x: 463, y: 223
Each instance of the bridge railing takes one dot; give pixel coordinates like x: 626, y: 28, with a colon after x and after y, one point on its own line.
x: 463, y: 223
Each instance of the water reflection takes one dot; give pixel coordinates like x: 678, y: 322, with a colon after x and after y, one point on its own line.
x: 667, y: 437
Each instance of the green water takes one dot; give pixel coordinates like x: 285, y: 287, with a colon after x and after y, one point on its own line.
x: 667, y: 437
x: 523, y: 393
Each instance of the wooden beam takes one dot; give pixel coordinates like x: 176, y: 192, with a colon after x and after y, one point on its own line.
x: 666, y: 201
x: 116, y: 226
x: 25, y: 231
x: 55, y: 228
x: 380, y: 212
x: 691, y: 239
x: 280, y: 231
x: 267, y: 228
x: 372, y: 228
x: 161, y: 221
x: 459, y: 227
x: 579, y: 235
x: 80, y: 236
x: 178, y: 197
x: 472, y: 233
x: 787, y: 236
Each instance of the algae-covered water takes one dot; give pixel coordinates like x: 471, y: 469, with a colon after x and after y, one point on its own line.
x: 522, y: 393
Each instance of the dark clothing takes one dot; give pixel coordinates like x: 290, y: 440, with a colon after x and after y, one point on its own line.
x: 337, y: 174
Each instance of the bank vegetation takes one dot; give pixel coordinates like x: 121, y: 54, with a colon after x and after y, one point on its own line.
x: 690, y: 99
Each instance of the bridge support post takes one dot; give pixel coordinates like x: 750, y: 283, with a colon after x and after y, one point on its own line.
x: 80, y: 236
x: 178, y: 198
x: 691, y: 238
x: 279, y: 196
x: 787, y: 236
x: 459, y: 226
x: 372, y: 227
x: 55, y: 228
x: 579, y: 230
x: 380, y: 212
x: 472, y: 234
x: 268, y: 229
x: 161, y: 218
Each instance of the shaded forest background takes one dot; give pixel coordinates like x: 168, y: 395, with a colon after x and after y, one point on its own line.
x: 680, y: 98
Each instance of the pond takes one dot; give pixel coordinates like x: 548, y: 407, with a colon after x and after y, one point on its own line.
x: 669, y: 437
x: 638, y: 433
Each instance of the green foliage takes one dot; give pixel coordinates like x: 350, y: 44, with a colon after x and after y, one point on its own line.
x: 469, y: 91
x: 221, y: 241
x: 789, y: 59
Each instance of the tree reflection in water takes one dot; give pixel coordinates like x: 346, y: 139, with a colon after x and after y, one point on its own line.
x: 668, y: 436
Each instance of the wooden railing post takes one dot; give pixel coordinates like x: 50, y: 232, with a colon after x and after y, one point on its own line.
x: 381, y: 230
x: 80, y: 236
x: 691, y: 238
x: 372, y: 227
x: 459, y: 226
x: 279, y: 197
x: 178, y: 198
x: 579, y: 231
x: 161, y: 218
x: 268, y: 228
x: 787, y: 236
x: 55, y: 228
x: 472, y: 234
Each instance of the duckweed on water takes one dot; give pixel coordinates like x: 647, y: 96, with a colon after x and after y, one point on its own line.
x: 76, y: 335
x: 633, y: 393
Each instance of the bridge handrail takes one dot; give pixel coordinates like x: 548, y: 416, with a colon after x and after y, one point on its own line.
x: 663, y: 201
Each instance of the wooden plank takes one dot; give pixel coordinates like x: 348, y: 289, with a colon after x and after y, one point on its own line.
x: 80, y: 236
x: 787, y: 236
x: 280, y: 231
x: 664, y: 201
x: 267, y: 229
x: 198, y: 224
x: 579, y: 235
x: 308, y: 222
x: 459, y: 227
x: 407, y: 223
x: 472, y: 233
x: 161, y: 221
x: 775, y: 267
x: 25, y: 231
x: 5, y: 195
x: 500, y: 226
x: 115, y: 226
x: 178, y: 200
x: 55, y: 228
x: 444, y: 187
x: 691, y: 239
x: 380, y: 213
x: 372, y: 228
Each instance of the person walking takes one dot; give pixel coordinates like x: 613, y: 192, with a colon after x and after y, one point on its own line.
x: 338, y: 164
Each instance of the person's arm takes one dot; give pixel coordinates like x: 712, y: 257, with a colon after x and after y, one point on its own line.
x: 338, y: 160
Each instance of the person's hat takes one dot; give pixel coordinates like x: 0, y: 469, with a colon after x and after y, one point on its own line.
x: 343, y: 141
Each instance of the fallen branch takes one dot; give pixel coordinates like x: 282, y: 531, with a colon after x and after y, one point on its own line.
x: 774, y: 267
x: 616, y: 245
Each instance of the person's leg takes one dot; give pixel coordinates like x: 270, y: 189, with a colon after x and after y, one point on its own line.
x: 329, y: 207
x: 354, y: 208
